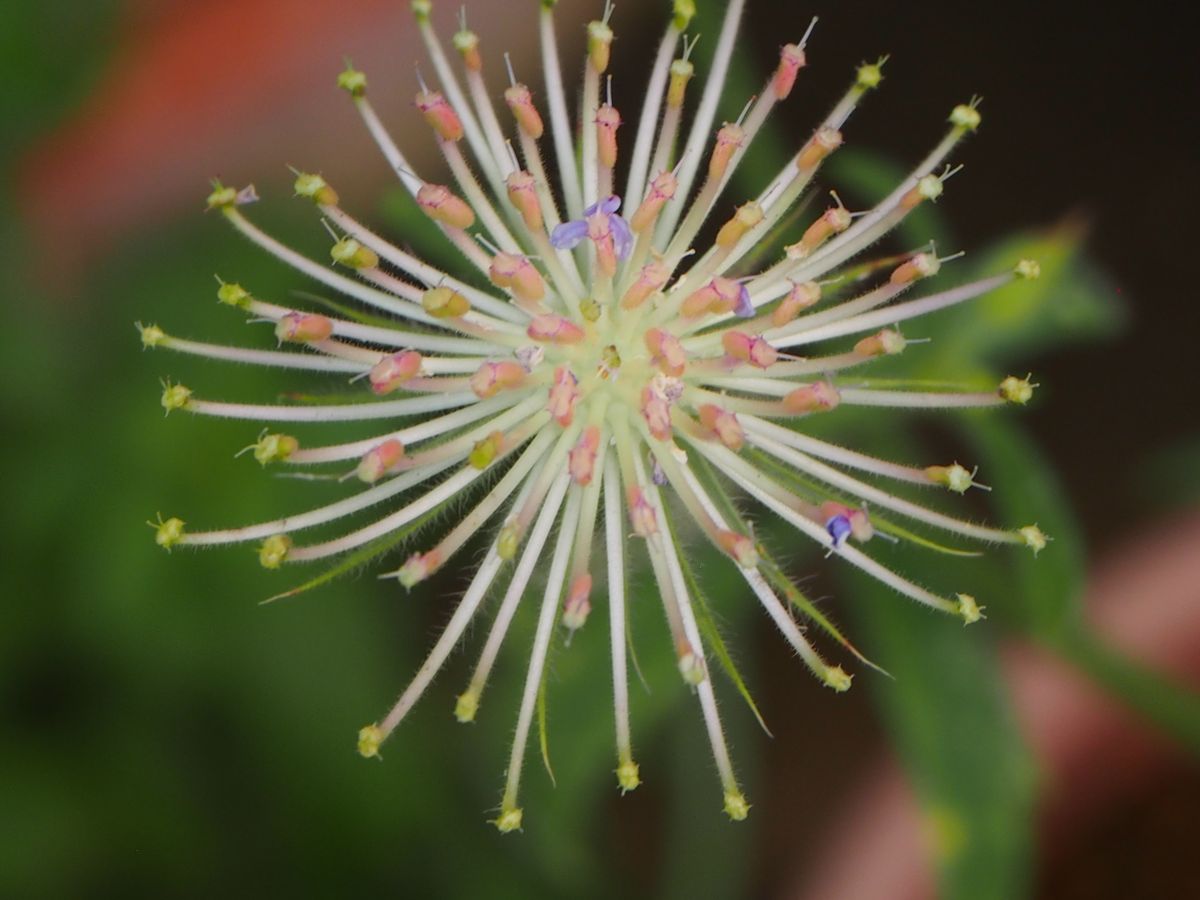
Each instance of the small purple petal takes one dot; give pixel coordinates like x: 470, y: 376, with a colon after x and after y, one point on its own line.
x: 568, y: 235
x: 622, y: 236
x: 657, y: 475
x: 609, y: 204
x: 839, y: 529
x: 744, y: 308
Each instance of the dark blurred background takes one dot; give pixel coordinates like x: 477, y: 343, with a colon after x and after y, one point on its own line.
x: 161, y: 734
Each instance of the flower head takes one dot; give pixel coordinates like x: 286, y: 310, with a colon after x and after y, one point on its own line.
x: 619, y: 383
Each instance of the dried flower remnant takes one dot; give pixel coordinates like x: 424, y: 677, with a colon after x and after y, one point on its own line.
x: 619, y: 384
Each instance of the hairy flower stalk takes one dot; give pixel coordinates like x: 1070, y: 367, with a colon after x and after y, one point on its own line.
x: 618, y: 384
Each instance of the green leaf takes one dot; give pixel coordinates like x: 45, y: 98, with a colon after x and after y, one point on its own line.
x: 713, y: 640
x: 1167, y: 704
x: 1072, y: 301
x: 950, y: 720
x: 1044, y: 591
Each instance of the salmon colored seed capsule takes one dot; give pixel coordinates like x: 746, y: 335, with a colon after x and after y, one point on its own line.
x: 666, y: 352
x: 608, y: 120
x: 518, y: 274
x: 923, y: 265
x: 662, y: 189
x: 819, y: 146
x: 887, y: 342
x: 380, y: 460
x: 418, y: 567
x: 800, y: 297
x: 303, y: 328
x: 582, y: 459
x: 723, y: 425
x: 522, y: 193
x: 740, y: 547
x: 651, y: 279
x: 599, y: 230
x: 520, y: 102
x: 492, y: 377
x: 791, y: 61
x: 657, y: 413
x: 441, y: 205
x: 440, y: 115
x: 577, y: 604
x: 833, y: 221
x: 729, y: 139
x: 641, y: 513
x: 392, y: 371
x: 820, y: 396
x: 748, y: 216
x: 737, y: 345
x: 554, y: 330
x: 721, y: 295
x: 563, y: 396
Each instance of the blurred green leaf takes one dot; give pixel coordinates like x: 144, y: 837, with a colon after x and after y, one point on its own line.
x: 1072, y: 301
x: 948, y: 714
x: 1173, y: 707
x: 1043, y: 591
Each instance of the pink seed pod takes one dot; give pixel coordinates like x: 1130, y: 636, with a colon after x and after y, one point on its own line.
x: 657, y: 413
x: 577, y: 604
x: 608, y: 120
x: 418, y: 567
x: 564, y: 394
x: 641, y: 513
x: 666, y: 352
x: 886, y: 342
x: 791, y: 61
x: 492, y: 377
x: 651, y: 279
x: 729, y: 139
x: 922, y: 265
x: 392, y: 371
x: 723, y: 425
x: 820, y: 396
x: 752, y: 349
x: 819, y: 146
x: 522, y: 193
x: 802, y: 295
x: 303, y: 328
x: 441, y: 205
x: 662, y: 188
x: 833, y: 221
x: 520, y: 102
x: 581, y: 461
x: 380, y: 460
x: 554, y: 330
x: 739, y: 547
x: 519, y: 275
x: 440, y: 115
x: 748, y: 216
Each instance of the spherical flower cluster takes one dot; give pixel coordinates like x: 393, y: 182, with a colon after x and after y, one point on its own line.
x: 620, y: 384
